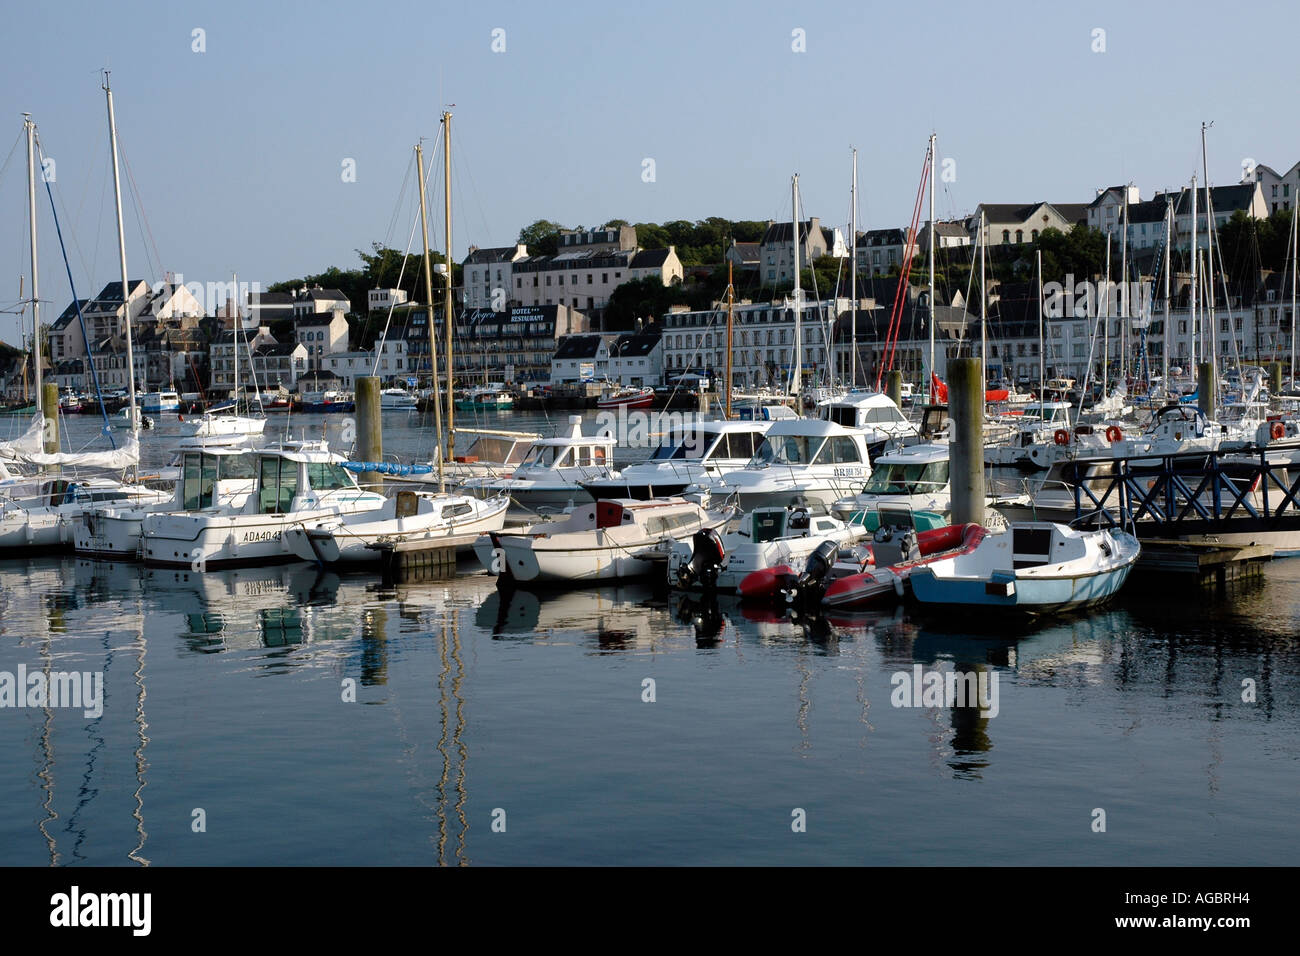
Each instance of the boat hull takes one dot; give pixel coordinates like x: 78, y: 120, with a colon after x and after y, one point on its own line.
x: 1007, y: 592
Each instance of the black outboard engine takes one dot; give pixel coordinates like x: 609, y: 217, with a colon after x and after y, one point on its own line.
x: 811, y: 584
x: 707, y: 557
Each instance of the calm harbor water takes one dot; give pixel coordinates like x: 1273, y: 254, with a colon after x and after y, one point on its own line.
x: 226, y: 703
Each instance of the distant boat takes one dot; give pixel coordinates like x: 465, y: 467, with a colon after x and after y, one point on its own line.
x: 486, y: 397
x: 327, y: 402
x: 626, y: 398
x: 155, y: 403
x: 397, y: 398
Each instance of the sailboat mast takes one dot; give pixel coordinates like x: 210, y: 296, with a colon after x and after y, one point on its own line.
x: 984, y: 306
x: 1042, y: 344
x: 795, y: 372
x: 1123, y: 296
x: 121, y: 249
x: 234, y: 337
x: 853, y: 303
x: 1194, y: 330
x: 31, y: 231
x: 1209, y: 258
x: 1295, y: 234
x: 932, y: 255
x: 447, y: 309
x: 1167, y: 338
x: 1105, y: 325
x: 428, y: 295
x: 731, y: 298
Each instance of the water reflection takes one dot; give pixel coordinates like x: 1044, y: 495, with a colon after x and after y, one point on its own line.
x: 445, y: 666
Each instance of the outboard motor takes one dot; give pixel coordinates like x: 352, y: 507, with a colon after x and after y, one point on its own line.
x: 707, y: 558
x: 812, y: 582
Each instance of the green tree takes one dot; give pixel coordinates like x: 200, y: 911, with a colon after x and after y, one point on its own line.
x: 542, y: 238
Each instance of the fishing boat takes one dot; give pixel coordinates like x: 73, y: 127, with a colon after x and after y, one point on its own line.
x: 397, y: 398
x: 605, y: 540
x: 914, y: 475
x: 408, y: 516
x: 802, y: 461
x: 327, y: 402
x: 550, y: 477
x: 626, y: 397
x: 766, y: 538
x: 486, y: 398
x: 210, y: 479
x: 297, y: 482
x: 695, y: 452
x: 1037, y: 567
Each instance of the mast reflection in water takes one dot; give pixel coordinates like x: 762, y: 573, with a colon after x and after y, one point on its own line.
x: 320, y: 718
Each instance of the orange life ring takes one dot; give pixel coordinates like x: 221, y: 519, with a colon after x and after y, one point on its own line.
x: 1061, y: 437
x: 1113, y: 434
x: 1277, y: 430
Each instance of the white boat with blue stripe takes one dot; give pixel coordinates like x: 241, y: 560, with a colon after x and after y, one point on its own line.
x: 1034, y: 567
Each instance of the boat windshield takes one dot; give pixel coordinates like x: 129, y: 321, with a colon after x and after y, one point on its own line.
x: 328, y: 476
x: 787, y: 450
x: 898, y: 478
x: 545, y: 456
x: 676, y: 445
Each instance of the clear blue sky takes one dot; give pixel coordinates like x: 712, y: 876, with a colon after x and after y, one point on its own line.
x: 237, y: 151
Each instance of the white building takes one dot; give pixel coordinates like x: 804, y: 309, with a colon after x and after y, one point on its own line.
x: 321, y: 334
x: 488, y: 276
x: 1278, y: 190
x: 762, y: 341
x: 381, y: 300
x: 777, y: 248
x: 637, y: 358
x: 589, y: 267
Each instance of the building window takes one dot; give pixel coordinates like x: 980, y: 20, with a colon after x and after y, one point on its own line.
x: 590, y: 278
x: 1020, y: 235
x: 1006, y: 235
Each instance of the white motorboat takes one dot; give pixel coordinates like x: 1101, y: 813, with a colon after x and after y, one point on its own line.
x: 687, y: 455
x: 297, y: 482
x: 44, y: 520
x: 604, y: 540
x: 766, y: 538
x: 550, y: 477
x: 873, y: 413
x: 802, y: 461
x: 914, y: 475
x: 215, y: 479
x: 1034, y: 567
x: 397, y: 399
x: 408, y: 516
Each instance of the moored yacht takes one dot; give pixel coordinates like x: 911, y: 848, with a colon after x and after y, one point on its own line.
x: 408, y: 516
x: 802, y: 461
x: 692, y: 453
x: 296, y: 482
x: 550, y: 478
x: 216, y: 480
